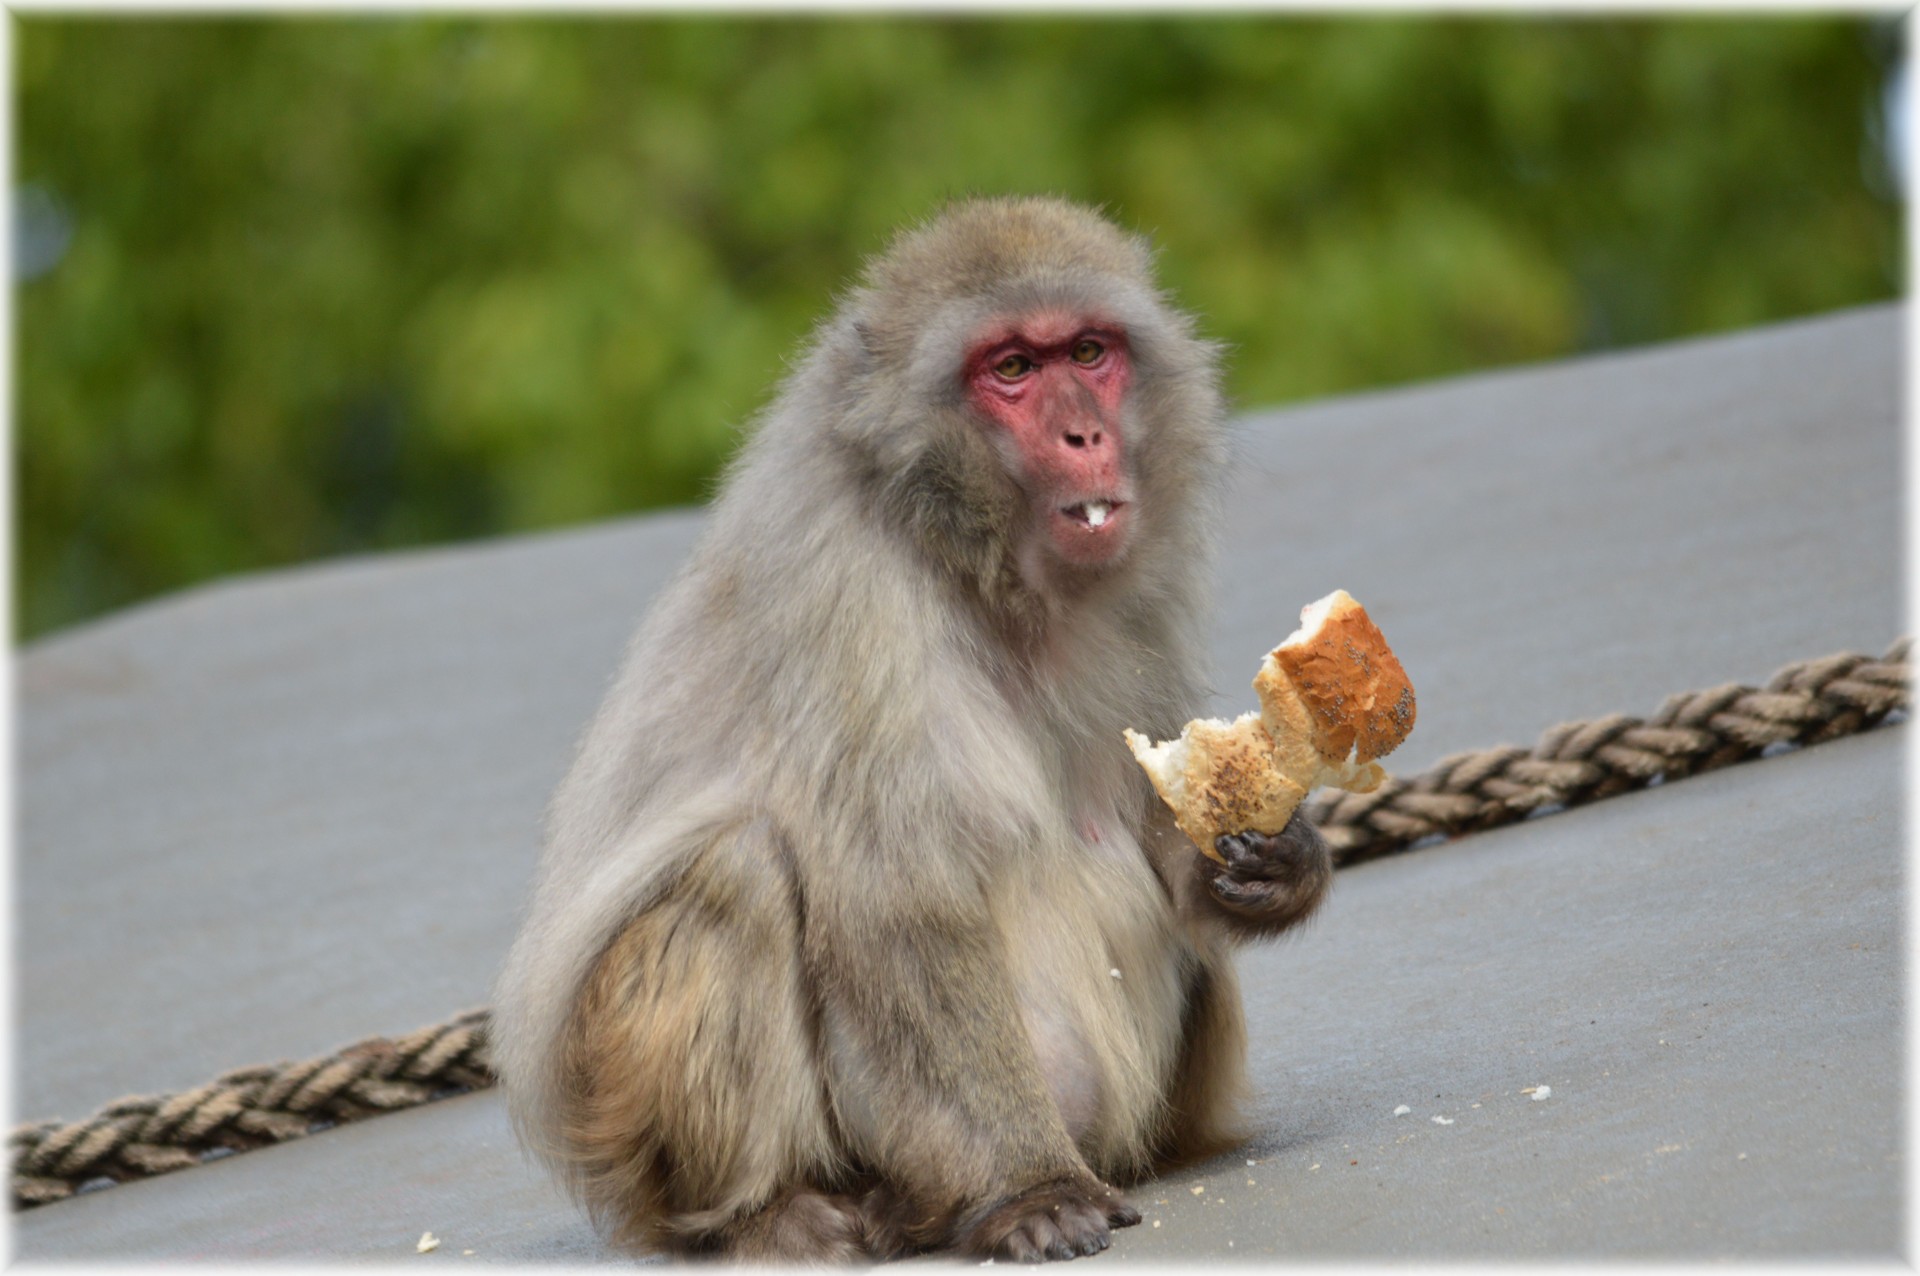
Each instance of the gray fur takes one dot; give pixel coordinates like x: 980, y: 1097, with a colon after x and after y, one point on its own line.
x: 852, y: 709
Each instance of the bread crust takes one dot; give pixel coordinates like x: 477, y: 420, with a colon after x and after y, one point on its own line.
x: 1358, y: 699
x: 1290, y: 725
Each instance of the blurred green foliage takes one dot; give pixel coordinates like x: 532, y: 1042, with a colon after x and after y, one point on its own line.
x: 342, y: 284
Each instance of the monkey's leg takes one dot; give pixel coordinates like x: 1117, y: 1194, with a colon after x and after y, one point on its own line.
x: 1275, y: 883
x: 936, y: 1085
x: 1210, y: 1079
x: 695, y: 1117
x: 799, y: 1225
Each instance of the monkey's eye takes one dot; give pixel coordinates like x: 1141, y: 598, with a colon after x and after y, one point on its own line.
x: 1088, y: 352
x: 1013, y: 367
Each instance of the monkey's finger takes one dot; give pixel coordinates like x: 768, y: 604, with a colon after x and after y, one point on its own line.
x: 1294, y: 854
x: 1253, y: 893
x: 1247, y: 854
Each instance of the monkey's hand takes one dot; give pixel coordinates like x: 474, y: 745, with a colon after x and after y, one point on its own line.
x: 1053, y: 1220
x: 1270, y: 880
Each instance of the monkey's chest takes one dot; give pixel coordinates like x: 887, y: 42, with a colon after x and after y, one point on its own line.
x: 1097, y: 965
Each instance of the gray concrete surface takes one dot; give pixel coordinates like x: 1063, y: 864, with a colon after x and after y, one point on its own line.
x: 259, y: 820
x: 1706, y: 978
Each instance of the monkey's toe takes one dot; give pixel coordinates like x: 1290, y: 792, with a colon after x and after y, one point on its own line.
x: 1046, y: 1238
x: 1056, y: 1221
x: 1020, y: 1247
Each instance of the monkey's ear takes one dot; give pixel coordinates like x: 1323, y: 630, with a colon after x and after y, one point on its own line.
x: 854, y: 354
x: 865, y: 349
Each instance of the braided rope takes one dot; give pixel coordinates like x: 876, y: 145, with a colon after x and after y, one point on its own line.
x: 1574, y: 763
x: 247, y: 1108
x: 1806, y: 702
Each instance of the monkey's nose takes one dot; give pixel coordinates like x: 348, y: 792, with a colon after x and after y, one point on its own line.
x: 1076, y: 439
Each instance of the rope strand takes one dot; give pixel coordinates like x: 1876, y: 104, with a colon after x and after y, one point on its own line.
x: 247, y: 1108
x: 1574, y: 763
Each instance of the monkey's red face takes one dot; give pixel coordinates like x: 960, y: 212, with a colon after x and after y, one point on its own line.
x: 1054, y: 383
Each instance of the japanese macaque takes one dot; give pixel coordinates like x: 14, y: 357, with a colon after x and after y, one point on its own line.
x: 857, y: 931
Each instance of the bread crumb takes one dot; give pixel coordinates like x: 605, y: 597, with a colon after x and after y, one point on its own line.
x: 1440, y: 1120
x: 1115, y: 972
x: 1198, y: 1188
x: 427, y: 1244
x: 1542, y: 1092
x: 1402, y: 1110
x: 1156, y: 1222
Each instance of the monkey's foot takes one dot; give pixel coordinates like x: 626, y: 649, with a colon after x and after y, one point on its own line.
x: 1054, y: 1220
x: 802, y: 1226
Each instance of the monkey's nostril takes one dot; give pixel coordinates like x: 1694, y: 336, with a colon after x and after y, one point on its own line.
x: 1076, y: 440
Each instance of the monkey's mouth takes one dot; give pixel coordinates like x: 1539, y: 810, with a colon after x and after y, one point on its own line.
x: 1093, y: 514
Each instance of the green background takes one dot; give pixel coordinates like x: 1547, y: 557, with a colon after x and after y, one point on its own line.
x: 338, y: 285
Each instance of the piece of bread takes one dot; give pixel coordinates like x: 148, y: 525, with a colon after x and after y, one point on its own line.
x: 1218, y: 777
x: 1333, y: 698
x: 1337, y: 683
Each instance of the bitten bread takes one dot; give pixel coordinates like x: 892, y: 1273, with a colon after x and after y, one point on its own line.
x: 1219, y: 777
x: 1333, y: 698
